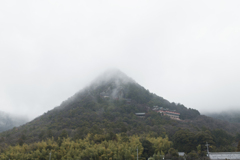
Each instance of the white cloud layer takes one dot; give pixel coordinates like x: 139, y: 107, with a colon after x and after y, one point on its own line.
x: 184, y: 51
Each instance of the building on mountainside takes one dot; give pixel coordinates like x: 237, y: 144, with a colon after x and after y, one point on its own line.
x: 140, y: 115
x: 182, y: 154
x: 115, y: 95
x: 224, y: 155
x: 172, y: 114
x: 104, y: 95
x: 128, y: 100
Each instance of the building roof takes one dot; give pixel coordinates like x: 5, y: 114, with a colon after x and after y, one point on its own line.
x: 224, y: 155
x: 181, y: 153
x: 140, y: 114
x: 174, y: 114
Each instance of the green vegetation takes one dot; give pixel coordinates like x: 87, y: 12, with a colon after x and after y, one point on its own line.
x: 103, y: 115
x: 96, y: 147
x: 238, y: 147
x: 219, y: 140
x: 88, y: 112
x: 232, y: 116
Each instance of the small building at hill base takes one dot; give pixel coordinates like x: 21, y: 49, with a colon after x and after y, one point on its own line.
x: 224, y: 155
x: 140, y: 115
x: 181, y: 154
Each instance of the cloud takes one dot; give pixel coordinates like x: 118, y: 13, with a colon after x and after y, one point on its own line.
x: 184, y: 51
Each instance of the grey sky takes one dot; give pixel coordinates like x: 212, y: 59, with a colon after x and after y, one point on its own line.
x: 184, y: 51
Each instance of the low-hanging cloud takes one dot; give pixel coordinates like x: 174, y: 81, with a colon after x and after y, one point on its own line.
x: 184, y: 51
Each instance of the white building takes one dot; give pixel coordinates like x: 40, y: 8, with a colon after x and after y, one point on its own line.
x: 224, y: 155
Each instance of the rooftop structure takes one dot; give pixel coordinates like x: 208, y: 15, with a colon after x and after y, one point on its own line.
x: 141, y: 115
x: 181, y: 154
x: 224, y: 155
x: 128, y: 100
x: 104, y: 95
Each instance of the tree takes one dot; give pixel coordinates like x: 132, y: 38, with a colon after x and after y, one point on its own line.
x: 192, y: 155
x: 64, y: 134
x: 157, y: 156
x: 173, y: 152
x: 199, y: 149
x: 237, y: 138
x: 238, y: 147
x: 160, y: 144
x: 148, y: 149
x: 184, y: 141
x: 203, y: 137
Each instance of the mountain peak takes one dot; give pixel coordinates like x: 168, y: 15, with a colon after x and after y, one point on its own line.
x: 113, y: 75
x: 112, y: 83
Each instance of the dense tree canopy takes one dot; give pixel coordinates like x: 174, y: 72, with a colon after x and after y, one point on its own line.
x: 91, y: 147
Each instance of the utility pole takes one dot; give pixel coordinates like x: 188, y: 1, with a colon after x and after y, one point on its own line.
x: 50, y: 156
x: 207, y: 149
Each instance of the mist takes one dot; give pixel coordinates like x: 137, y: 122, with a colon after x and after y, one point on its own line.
x: 8, y: 121
x: 186, y: 52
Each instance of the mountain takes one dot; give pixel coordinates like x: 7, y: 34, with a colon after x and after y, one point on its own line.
x: 232, y: 115
x: 8, y: 121
x: 107, y: 107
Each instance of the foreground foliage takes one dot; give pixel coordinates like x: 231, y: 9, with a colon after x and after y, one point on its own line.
x: 120, y: 147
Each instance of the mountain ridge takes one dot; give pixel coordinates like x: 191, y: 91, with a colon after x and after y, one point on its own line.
x: 108, y: 106
x: 232, y: 116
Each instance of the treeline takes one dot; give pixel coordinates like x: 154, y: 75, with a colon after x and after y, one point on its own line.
x: 93, y: 147
x: 98, y: 147
x: 232, y: 116
x: 85, y: 117
x: 218, y: 139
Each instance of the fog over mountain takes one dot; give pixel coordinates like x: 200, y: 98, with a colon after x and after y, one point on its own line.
x: 8, y: 121
x: 185, y: 51
x: 230, y: 115
x: 109, y: 106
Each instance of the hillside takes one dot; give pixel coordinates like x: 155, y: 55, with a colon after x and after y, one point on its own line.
x: 107, y: 107
x: 232, y: 116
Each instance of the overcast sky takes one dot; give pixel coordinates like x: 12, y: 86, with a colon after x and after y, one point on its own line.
x: 187, y: 52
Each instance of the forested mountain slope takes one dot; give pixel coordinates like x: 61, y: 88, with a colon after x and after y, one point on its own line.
x: 108, y: 106
x: 231, y: 115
